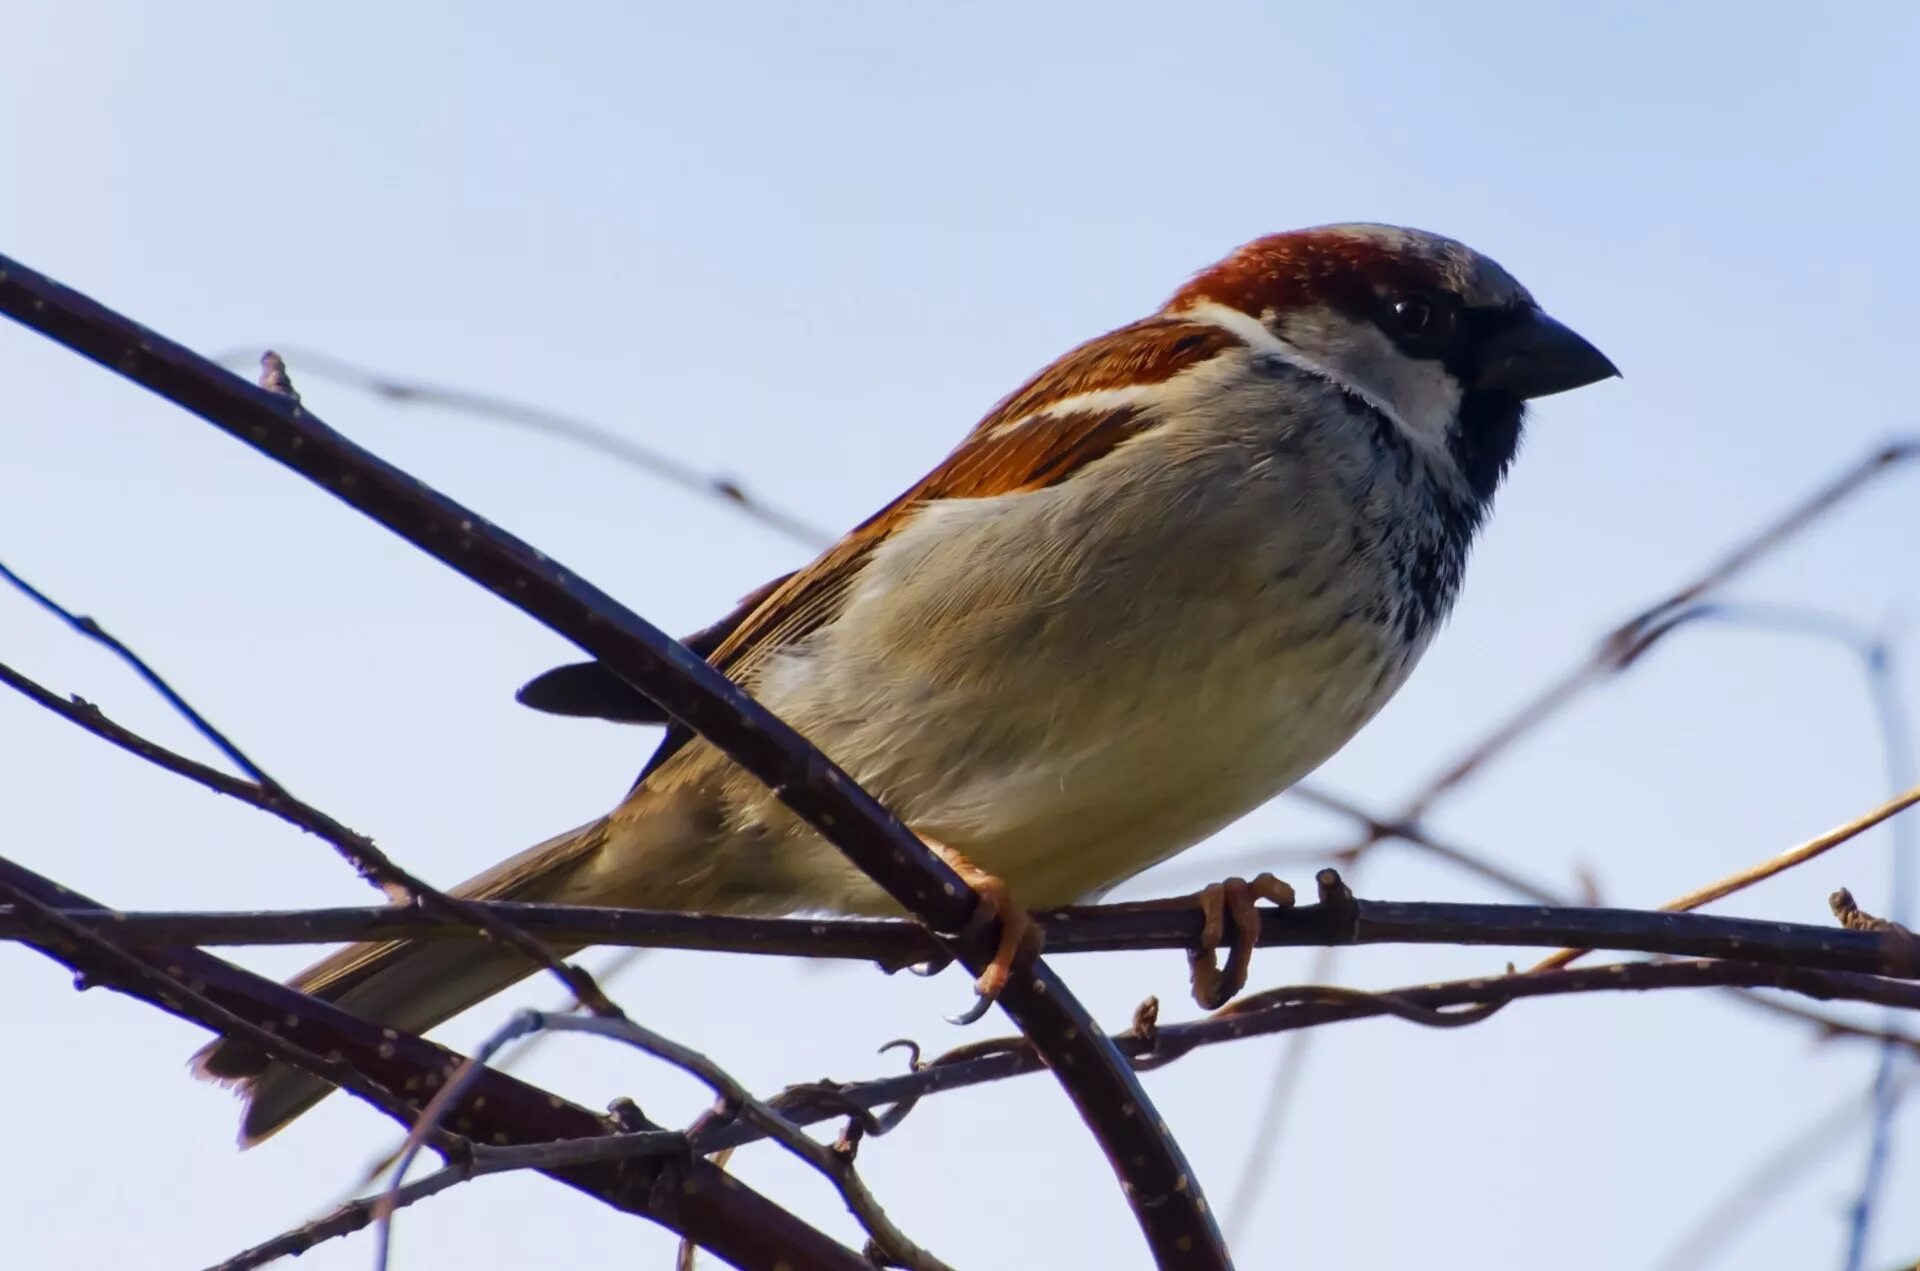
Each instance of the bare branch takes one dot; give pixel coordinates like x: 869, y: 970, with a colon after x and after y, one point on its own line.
x: 597, y: 437
x: 1294, y: 1010
x: 1819, y: 845
x: 263, y: 792
x: 92, y: 630
x: 1622, y: 646
x: 1158, y: 1182
x: 1616, y: 651
x: 163, y: 980
x: 390, y: 1070
x: 738, y: 1102
x: 1375, y: 830
x: 1078, y: 929
x: 344, y: 1220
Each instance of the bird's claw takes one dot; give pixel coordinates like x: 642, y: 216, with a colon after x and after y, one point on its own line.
x: 1236, y: 899
x: 1020, y: 939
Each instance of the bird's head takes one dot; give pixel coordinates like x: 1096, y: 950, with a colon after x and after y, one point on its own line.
x: 1440, y: 338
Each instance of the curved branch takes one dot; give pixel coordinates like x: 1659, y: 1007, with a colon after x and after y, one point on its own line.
x: 1159, y: 1184
x: 1450, y: 1004
x: 392, y: 1071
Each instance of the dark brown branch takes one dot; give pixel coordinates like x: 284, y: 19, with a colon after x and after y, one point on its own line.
x: 1310, y: 1006
x: 739, y: 1104
x: 170, y: 982
x: 263, y: 792
x: 894, y: 945
x: 1293, y: 1010
x: 1159, y: 1184
x: 393, y: 1071
x: 889, y: 944
x: 1080, y: 929
x: 344, y: 1220
x: 363, y: 1212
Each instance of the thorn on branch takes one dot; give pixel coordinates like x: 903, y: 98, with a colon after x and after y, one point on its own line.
x: 1146, y: 1024
x: 847, y: 1146
x: 274, y: 377
x: 1902, y: 945
x: 625, y: 1116
x: 1338, y: 899
x: 1854, y: 918
x: 878, y: 1257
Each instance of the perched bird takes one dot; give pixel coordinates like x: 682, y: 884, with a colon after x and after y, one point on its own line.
x: 1158, y: 584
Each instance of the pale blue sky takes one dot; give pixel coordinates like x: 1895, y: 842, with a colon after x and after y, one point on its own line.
x: 809, y: 245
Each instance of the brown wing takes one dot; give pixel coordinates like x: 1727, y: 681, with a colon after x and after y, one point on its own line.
x: 1025, y: 443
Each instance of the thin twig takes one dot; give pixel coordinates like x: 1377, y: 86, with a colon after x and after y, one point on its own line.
x: 612, y: 969
x: 92, y: 630
x: 1160, y: 1186
x: 1080, y: 929
x: 448, y: 1097
x: 387, y: 1068
x: 263, y: 792
x: 172, y: 986
x: 615, y: 445
x: 344, y: 1220
x: 1874, y: 656
x: 1292, y: 1011
x: 1622, y: 646
x: 737, y: 1101
x: 742, y: 1104
x: 1375, y: 830
x: 1819, y: 845
x: 1614, y: 652
x: 1826, y: 1027
x: 358, y: 1214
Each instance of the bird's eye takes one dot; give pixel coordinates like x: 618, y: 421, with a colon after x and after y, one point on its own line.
x: 1422, y: 323
x: 1414, y: 313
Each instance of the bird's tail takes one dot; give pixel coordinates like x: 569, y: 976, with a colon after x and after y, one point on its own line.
x: 413, y: 985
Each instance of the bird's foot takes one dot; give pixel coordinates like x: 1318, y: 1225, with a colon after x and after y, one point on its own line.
x: 1236, y: 900
x: 1020, y: 939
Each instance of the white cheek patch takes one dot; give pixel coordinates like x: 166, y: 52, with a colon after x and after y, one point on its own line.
x: 1428, y: 393
x: 1259, y: 337
x: 1421, y: 395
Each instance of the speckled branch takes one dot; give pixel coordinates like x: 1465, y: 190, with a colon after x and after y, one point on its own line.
x: 1159, y: 1185
x: 396, y: 1072
x: 1457, y: 1003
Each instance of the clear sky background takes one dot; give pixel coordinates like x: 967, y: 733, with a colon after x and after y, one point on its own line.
x: 808, y: 246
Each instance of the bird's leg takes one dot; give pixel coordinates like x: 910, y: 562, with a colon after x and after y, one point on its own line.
x: 1020, y: 937
x: 1236, y: 899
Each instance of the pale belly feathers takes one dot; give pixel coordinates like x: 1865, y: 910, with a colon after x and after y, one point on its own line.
x: 1067, y: 741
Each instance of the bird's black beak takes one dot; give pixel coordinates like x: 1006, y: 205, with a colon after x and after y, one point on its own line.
x: 1534, y: 356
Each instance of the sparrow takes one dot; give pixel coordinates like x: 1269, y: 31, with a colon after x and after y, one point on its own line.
x: 1159, y: 583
